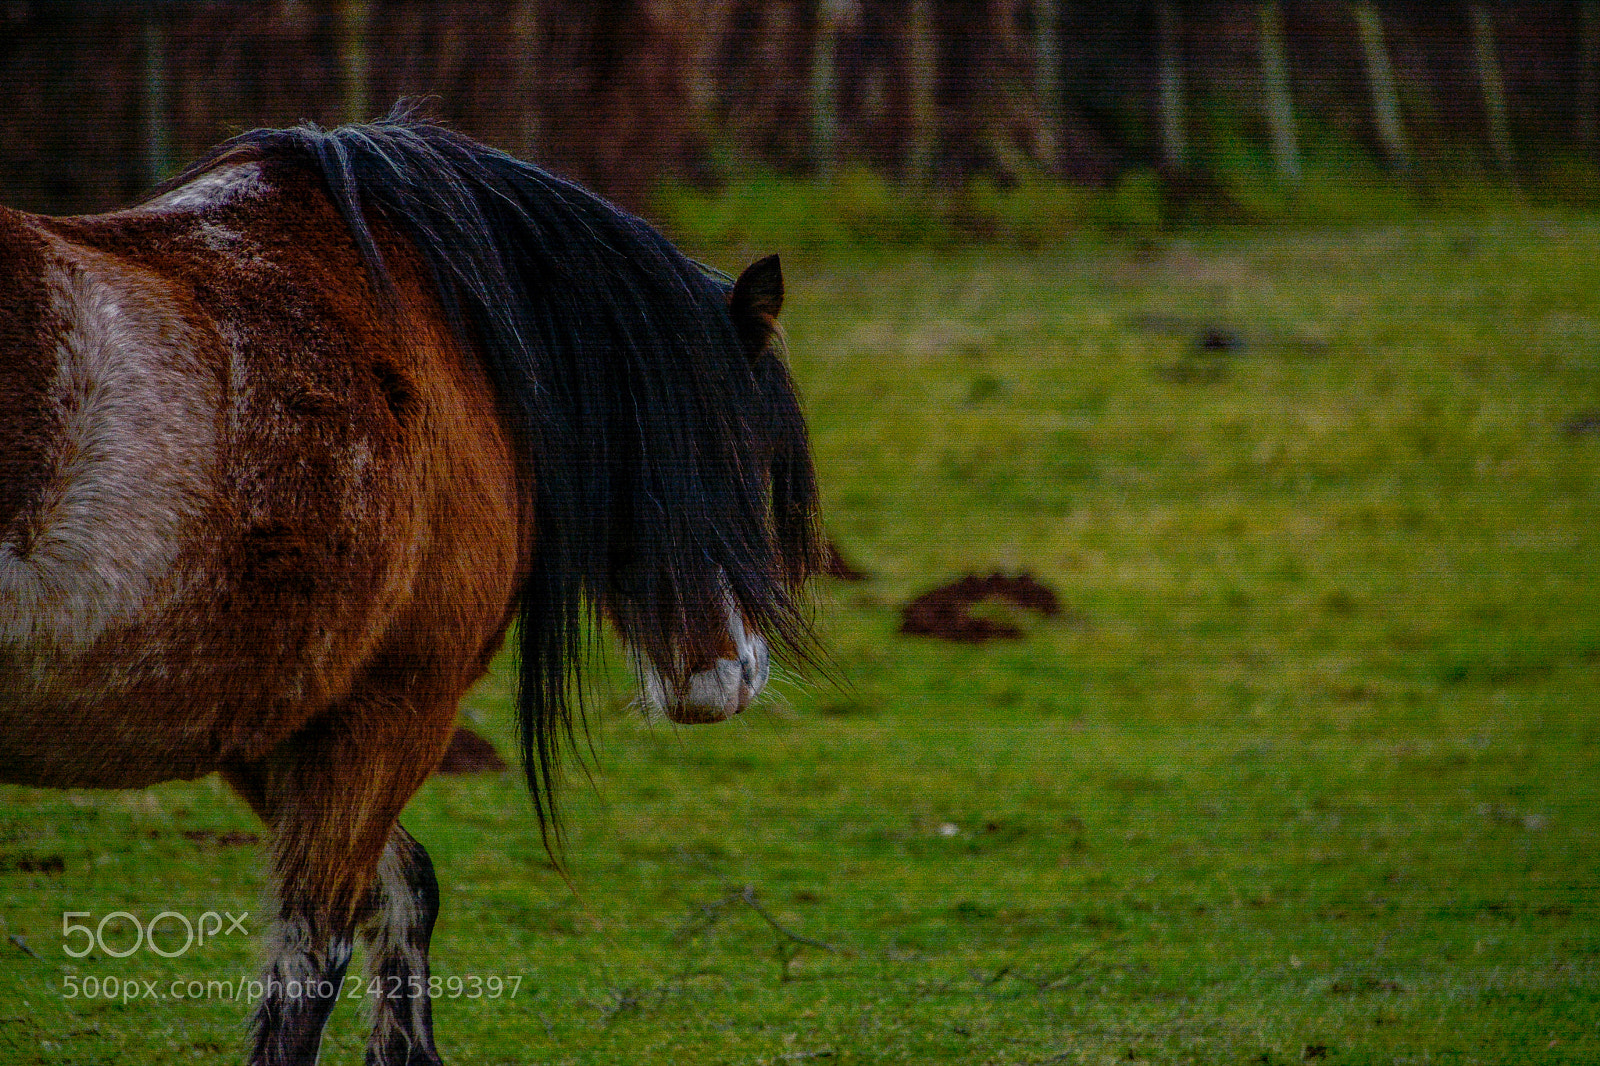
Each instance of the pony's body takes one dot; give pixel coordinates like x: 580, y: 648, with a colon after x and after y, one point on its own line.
x: 237, y: 434
x: 286, y: 449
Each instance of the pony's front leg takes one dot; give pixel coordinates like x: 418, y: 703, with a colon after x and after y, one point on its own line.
x: 405, y: 902
x: 301, y: 984
x: 331, y: 796
x: 324, y: 863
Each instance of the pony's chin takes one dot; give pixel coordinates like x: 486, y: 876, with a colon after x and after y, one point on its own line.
x: 685, y: 714
x: 712, y: 695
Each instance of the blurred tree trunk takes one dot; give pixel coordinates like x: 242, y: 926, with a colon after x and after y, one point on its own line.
x: 157, y: 109
x: 617, y: 112
x: 825, y: 88
x: 705, y: 27
x: 1279, y: 100
x: 1008, y: 107
x: 1047, y: 81
x: 1588, y: 83
x: 922, y: 61
x: 527, y: 105
x: 1487, y: 63
x: 760, y: 81
x: 1169, y: 44
x: 355, y: 21
x: 1380, y: 77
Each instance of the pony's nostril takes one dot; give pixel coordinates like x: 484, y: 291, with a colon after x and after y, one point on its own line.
x: 749, y: 672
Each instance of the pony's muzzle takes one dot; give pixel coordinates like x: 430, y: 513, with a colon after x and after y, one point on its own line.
x: 720, y: 690
x: 723, y: 690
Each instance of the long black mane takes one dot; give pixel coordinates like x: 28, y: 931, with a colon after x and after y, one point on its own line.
x: 668, y: 464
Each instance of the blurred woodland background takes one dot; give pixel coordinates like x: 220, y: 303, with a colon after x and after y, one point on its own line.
x: 1297, y: 763
x: 101, y: 100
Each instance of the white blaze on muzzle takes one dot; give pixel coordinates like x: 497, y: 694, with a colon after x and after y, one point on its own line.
x: 718, y: 692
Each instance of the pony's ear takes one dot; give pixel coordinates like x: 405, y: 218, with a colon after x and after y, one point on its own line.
x: 754, y: 303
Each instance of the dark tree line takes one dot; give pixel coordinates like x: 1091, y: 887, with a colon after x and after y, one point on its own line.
x: 98, y: 99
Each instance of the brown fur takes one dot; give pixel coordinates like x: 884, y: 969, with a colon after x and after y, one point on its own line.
x: 24, y: 376
x: 363, y: 527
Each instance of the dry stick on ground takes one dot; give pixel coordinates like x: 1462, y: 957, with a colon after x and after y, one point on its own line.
x: 711, y: 913
x: 1054, y: 981
x: 1063, y: 978
x: 784, y: 952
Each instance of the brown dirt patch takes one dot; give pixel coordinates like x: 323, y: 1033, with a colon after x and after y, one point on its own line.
x: 232, y: 838
x: 32, y: 864
x: 835, y: 565
x: 946, y: 612
x: 470, y: 754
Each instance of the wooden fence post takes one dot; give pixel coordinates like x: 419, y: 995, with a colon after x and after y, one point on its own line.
x: 1385, y: 101
x: 922, y: 56
x: 1278, y: 99
x: 157, y: 117
x: 1047, y: 80
x: 354, y: 20
x: 1494, y: 90
x: 1588, y: 84
x: 1174, y: 145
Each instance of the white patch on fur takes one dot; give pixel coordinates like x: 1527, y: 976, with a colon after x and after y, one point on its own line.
x: 296, y: 971
x: 134, y: 416
x: 223, y: 185
x: 387, y: 933
x: 717, y: 693
x: 221, y: 238
x: 292, y: 957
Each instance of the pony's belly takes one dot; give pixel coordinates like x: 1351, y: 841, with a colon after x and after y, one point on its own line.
x: 124, y: 714
x: 66, y: 746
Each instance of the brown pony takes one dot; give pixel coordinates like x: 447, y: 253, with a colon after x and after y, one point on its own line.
x: 286, y: 448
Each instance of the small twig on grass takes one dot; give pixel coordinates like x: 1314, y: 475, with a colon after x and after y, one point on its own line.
x: 622, y: 998
x: 748, y: 894
x: 789, y: 942
x: 1059, y: 979
x: 1048, y: 982
x: 988, y: 981
x: 623, y: 1001
x: 710, y: 914
x: 23, y: 944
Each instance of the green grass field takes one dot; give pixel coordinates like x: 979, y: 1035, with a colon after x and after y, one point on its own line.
x: 1307, y: 771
